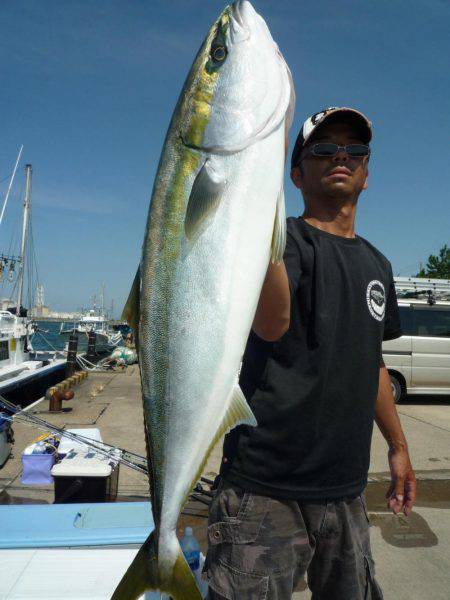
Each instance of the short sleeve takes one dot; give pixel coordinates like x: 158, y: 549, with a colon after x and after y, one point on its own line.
x: 392, y: 325
x: 292, y: 258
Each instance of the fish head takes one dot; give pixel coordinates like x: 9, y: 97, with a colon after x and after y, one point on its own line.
x: 241, y: 88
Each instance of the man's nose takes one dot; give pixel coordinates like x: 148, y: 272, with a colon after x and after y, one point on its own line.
x: 341, y: 155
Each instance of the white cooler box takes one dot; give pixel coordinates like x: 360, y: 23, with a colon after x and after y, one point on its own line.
x: 85, y: 476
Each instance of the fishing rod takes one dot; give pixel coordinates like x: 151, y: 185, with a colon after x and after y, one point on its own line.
x: 119, y: 455
x: 19, y: 412
x: 108, y: 451
x: 130, y: 459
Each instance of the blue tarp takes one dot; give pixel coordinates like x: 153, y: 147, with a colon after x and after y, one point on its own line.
x: 56, y: 525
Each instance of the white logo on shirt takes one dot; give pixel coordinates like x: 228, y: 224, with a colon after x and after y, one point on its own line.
x: 376, y: 299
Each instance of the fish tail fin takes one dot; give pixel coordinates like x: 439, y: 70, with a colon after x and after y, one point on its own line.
x: 147, y: 573
x: 183, y: 585
x: 142, y: 574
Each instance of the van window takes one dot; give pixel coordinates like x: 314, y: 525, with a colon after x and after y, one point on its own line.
x: 406, y: 320
x: 432, y: 322
x: 4, y: 352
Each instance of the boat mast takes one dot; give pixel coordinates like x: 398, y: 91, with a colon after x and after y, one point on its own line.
x: 103, y: 299
x: 10, y: 184
x: 26, y: 211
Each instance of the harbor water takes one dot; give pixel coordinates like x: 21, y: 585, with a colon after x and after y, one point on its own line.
x: 48, y: 337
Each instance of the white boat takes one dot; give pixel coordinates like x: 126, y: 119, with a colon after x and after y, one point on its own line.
x: 60, y: 550
x: 20, y: 366
x: 96, y: 321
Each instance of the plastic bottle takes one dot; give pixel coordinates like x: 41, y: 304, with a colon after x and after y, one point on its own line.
x: 39, y: 448
x: 191, y: 549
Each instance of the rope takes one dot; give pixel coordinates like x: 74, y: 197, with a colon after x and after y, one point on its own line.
x: 88, y: 366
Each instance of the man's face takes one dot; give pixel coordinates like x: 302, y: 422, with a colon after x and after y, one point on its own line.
x: 340, y: 176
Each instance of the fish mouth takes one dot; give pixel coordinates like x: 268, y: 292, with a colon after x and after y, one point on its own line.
x: 207, y: 149
x: 240, y: 15
x: 190, y: 145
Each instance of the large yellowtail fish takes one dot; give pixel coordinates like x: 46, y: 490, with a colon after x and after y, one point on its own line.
x: 216, y: 219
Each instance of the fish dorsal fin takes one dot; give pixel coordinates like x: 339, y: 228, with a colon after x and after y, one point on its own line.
x: 238, y: 413
x: 204, y: 199
x: 131, y: 311
x: 279, y: 230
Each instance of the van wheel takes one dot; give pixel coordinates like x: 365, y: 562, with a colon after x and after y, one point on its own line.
x: 396, y: 388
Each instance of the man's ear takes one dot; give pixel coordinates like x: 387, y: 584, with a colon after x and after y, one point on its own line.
x: 296, y: 177
x: 366, y: 182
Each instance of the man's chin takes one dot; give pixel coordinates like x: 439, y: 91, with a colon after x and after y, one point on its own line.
x: 339, y: 190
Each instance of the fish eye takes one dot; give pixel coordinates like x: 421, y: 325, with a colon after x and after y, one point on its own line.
x: 218, y: 53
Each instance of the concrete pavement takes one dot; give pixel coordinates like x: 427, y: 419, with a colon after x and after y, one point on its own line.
x: 412, y: 555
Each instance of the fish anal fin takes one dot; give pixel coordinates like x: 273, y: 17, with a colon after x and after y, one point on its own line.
x: 131, y: 311
x: 204, y: 199
x: 238, y: 413
x: 279, y: 230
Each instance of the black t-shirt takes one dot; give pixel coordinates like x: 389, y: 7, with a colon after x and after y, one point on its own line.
x: 313, y: 392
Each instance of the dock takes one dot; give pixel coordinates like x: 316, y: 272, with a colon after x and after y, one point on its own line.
x: 412, y: 555
x: 111, y: 402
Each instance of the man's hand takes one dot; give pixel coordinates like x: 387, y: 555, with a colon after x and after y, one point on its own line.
x: 402, y: 491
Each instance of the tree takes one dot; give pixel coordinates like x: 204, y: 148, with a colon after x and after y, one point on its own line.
x: 438, y: 267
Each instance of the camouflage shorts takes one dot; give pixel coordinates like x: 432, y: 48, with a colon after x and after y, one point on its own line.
x: 261, y: 547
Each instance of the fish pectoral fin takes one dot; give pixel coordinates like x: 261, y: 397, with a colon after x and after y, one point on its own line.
x: 279, y: 230
x: 204, y: 199
x: 131, y: 311
x: 238, y: 413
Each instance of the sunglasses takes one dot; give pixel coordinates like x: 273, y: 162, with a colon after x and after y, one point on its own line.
x: 327, y: 149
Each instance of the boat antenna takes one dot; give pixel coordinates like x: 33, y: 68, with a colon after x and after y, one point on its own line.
x: 26, y: 210
x: 5, y: 202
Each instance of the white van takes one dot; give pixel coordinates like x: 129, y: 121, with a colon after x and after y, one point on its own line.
x: 419, y: 361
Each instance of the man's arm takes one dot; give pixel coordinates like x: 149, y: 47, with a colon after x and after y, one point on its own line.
x: 402, y: 491
x: 272, y: 316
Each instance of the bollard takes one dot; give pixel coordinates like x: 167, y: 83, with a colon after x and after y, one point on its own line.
x: 71, y: 364
x: 55, y: 404
x: 91, y: 346
x: 55, y: 400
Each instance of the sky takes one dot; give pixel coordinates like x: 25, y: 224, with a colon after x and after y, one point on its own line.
x: 88, y: 87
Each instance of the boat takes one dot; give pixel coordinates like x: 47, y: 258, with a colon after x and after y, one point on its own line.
x: 22, y: 370
x: 72, y: 535
x: 45, y: 548
x: 24, y: 373
x: 95, y: 321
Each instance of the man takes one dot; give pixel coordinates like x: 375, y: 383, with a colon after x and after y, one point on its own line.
x: 291, y: 493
